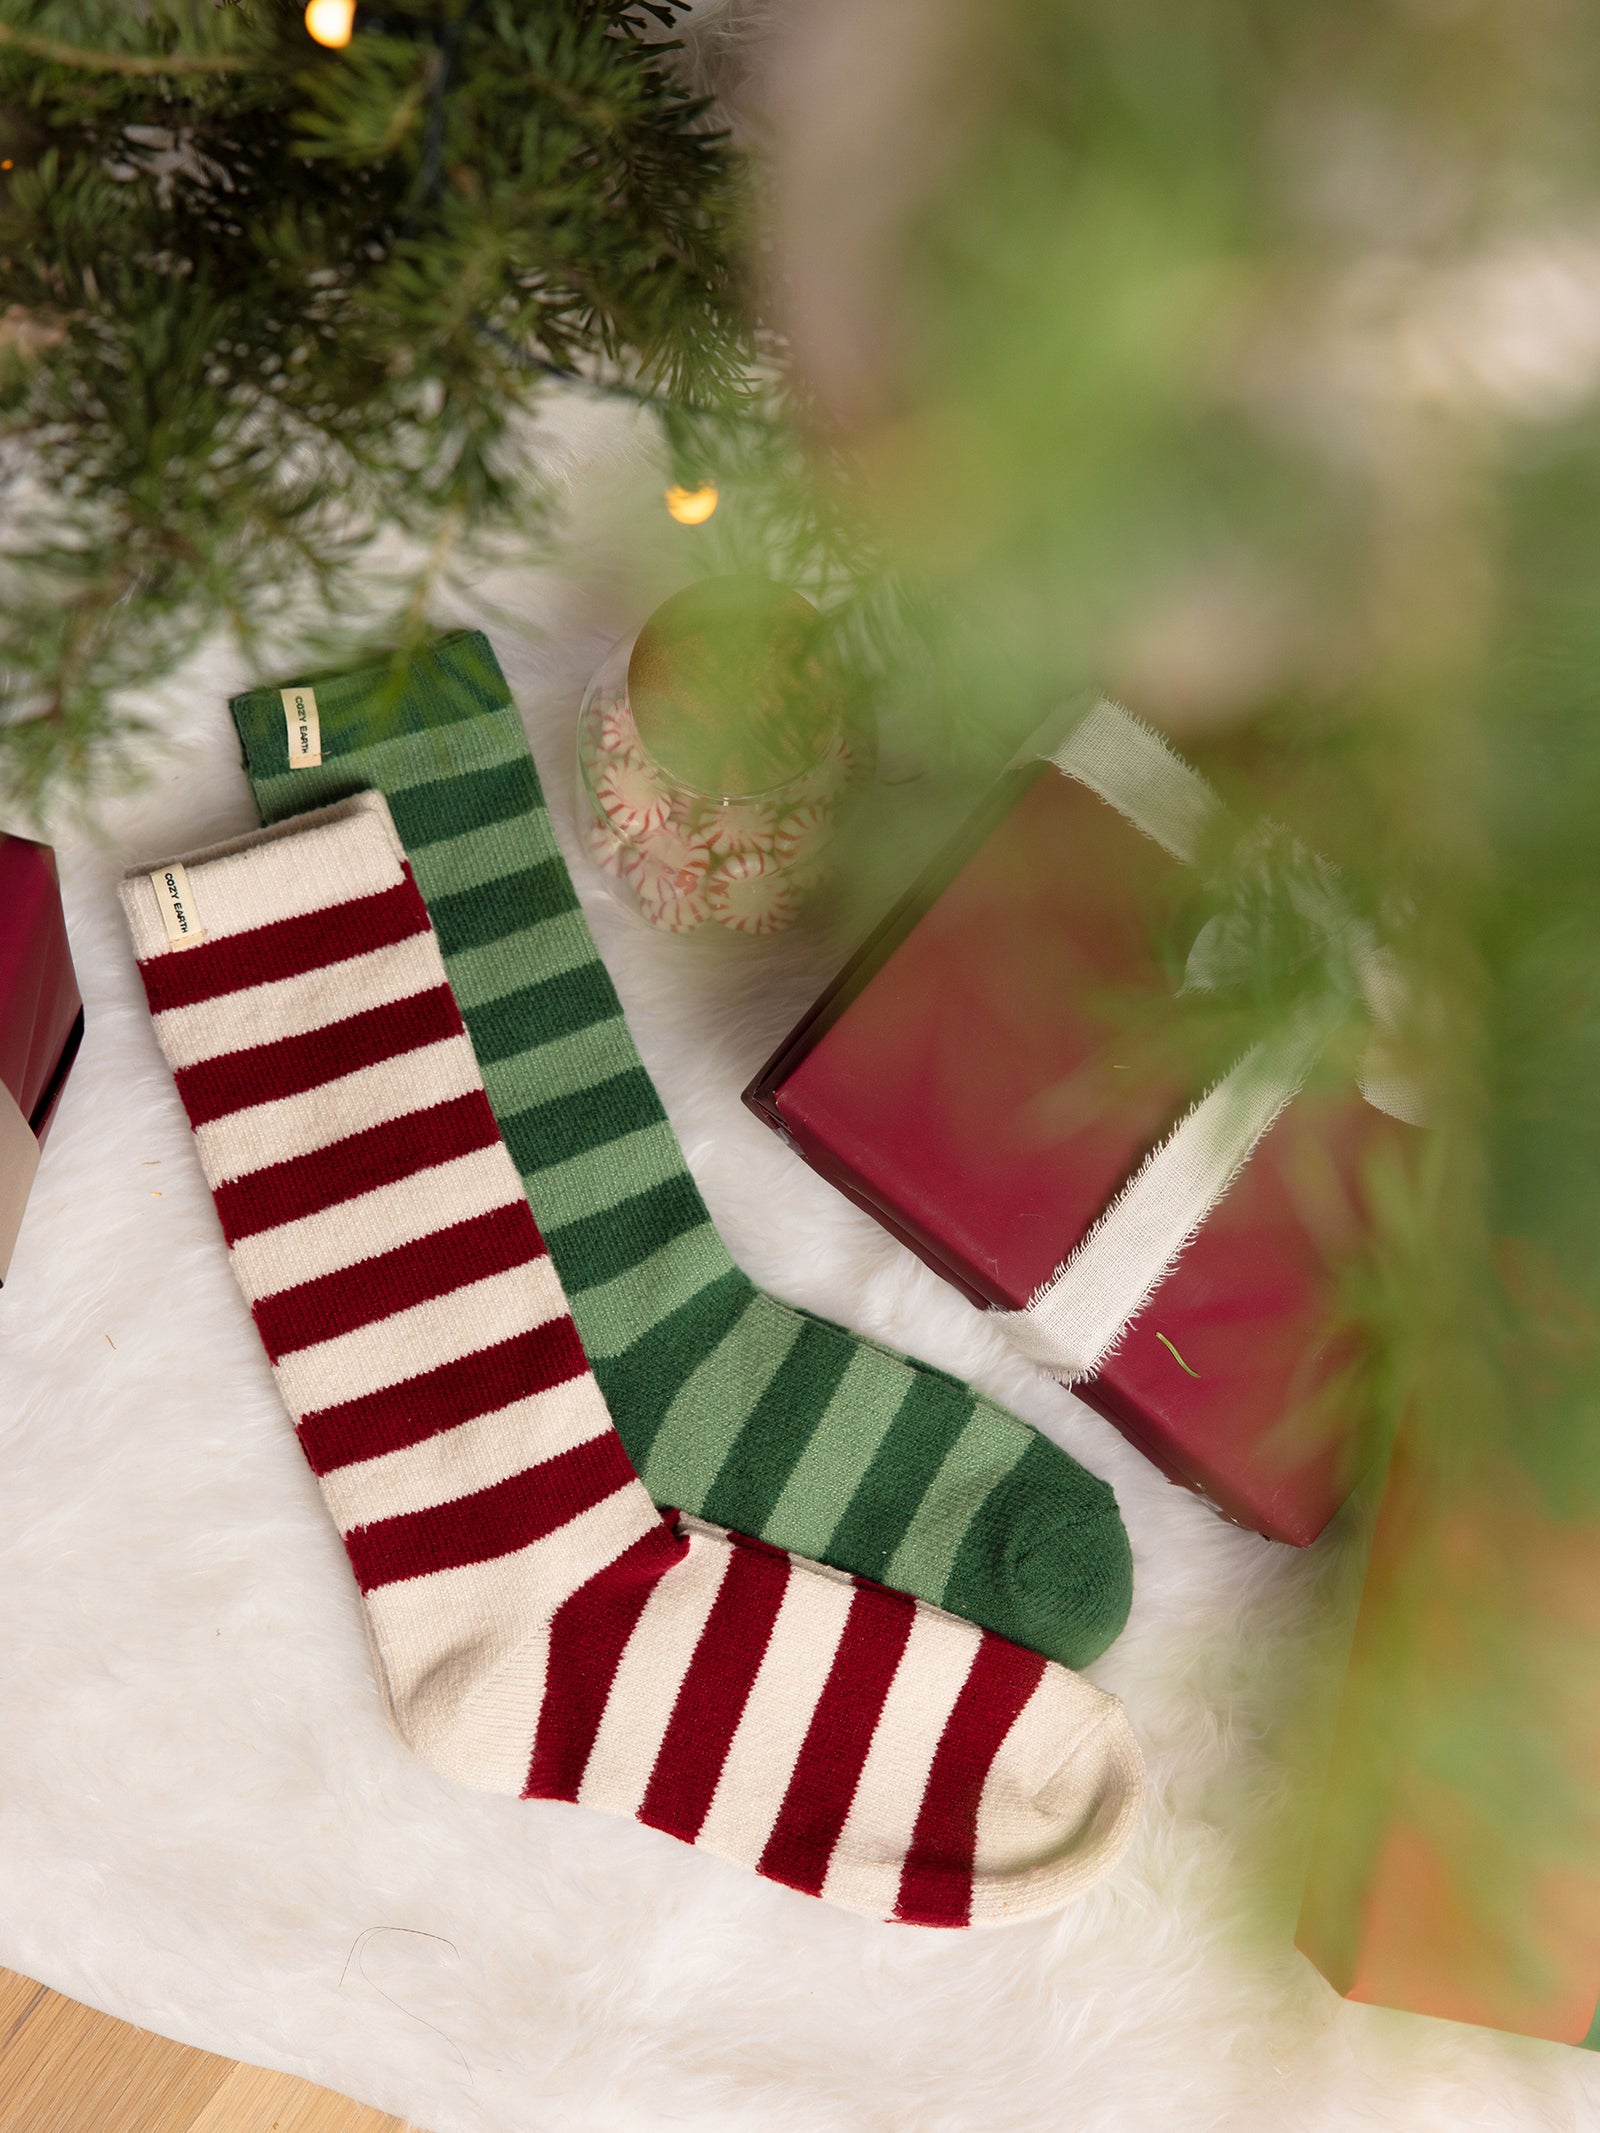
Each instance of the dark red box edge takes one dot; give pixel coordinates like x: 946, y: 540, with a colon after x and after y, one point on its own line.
x: 44, y: 1110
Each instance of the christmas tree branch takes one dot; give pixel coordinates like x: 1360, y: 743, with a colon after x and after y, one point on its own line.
x: 132, y: 63
x: 244, y: 301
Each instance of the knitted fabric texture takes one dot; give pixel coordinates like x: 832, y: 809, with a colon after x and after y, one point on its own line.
x: 539, y: 1627
x: 732, y: 1405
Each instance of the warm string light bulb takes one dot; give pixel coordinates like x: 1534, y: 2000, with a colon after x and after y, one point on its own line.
x: 692, y: 507
x: 331, y: 22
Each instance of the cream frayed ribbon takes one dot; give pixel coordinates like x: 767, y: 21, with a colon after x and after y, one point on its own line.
x: 1077, y: 1317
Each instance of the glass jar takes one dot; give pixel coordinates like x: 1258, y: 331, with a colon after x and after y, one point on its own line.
x: 714, y: 760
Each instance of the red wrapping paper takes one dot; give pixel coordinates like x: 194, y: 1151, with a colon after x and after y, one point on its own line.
x: 1456, y: 1866
x: 963, y: 1080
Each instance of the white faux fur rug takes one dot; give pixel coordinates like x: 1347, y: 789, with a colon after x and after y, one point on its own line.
x: 207, y: 1828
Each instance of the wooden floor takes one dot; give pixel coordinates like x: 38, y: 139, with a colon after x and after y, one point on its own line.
x: 65, y: 2069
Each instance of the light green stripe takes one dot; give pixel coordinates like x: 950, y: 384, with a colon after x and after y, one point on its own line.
x: 975, y: 1464
x: 397, y: 765
x: 600, y: 1178
x: 580, y: 1060
x: 621, y: 1311
x: 298, y: 791
x: 712, y: 1407
x: 555, y: 945
x: 819, y: 1488
x: 479, y: 856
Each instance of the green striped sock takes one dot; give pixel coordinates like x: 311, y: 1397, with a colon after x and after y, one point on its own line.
x: 732, y: 1405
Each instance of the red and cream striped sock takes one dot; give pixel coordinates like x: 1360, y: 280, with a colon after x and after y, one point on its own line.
x: 539, y: 1628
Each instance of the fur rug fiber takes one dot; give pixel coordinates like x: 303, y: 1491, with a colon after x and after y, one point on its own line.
x: 207, y: 1827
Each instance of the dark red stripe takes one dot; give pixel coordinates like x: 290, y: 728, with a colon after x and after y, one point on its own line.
x: 420, y: 1407
x: 828, y: 1767
x: 588, y: 1634
x: 381, y: 1155
x: 285, y: 949
x: 936, y: 1887
x: 436, y: 1265
x: 491, y: 1522
x: 715, y: 1690
x: 287, y: 1066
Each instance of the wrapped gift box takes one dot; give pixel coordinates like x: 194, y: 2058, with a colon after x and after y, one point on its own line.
x: 1456, y: 1865
x: 964, y: 1080
x: 41, y: 1020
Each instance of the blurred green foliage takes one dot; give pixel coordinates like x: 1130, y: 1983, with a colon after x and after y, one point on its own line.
x: 1245, y: 359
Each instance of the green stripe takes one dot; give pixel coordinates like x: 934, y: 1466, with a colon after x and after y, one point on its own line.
x: 899, y: 1476
x: 556, y: 1007
x: 777, y: 1430
x: 612, y: 1317
x: 297, y: 792
x: 490, y: 912
x: 641, y: 1383
x: 825, y: 1477
x: 500, y: 968
x: 551, y: 1073
x: 480, y: 858
x: 588, y: 1184
x: 974, y: 1466
x: 449, y: 807
x: 390, y: 767
x: 714, y: 1403
x: 608, y: 1244
x: 551, y: 1133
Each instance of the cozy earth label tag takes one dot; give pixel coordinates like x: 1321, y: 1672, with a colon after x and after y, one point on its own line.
x: 303, y: 727
x: 171, y: 885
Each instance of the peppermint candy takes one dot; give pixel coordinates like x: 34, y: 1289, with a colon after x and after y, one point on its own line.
x: 668, y: 901
x: 802, y: 833
x: 740, y: 826
x: 761, y: 901
x: 810, y: 874
x: 633, y: 800
x: 746, y: 866
x: 607, y: 849
x: 675, y: 851
x: 822, y: 785
x: 618, y: 734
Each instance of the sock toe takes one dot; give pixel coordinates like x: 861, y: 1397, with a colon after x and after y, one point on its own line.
x: 1072, y: 1571
x: 1046, y: 1561
x: 1061, y: 1804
